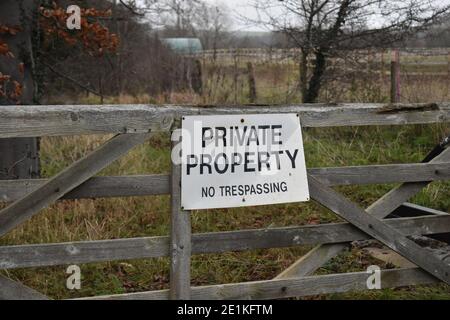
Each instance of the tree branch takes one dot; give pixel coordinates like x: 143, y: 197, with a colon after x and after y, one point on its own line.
x: 131, y: 9
x: 71, y: 79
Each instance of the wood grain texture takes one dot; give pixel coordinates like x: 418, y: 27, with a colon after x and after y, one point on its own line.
x: 312, y: 261
x: 180, y: 239
x: 34, y: 121
x: 414, y: 210
x: 383, y: 207
x: 148, y: 185
x: 399, y: 195
x: 13, y: 290
x: 288, y: 288
x: 95, y: 187
x: 391, y: 237
x: 24, y: 256
x: 67, y: 180
x: 382, y: 174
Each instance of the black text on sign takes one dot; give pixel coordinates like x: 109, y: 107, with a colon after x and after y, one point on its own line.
x: 242, y: 160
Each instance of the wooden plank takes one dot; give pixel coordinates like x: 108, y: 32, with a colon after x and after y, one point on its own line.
x: 288, y: 288
x: 312, y: 261
x: 39, y: 121
x: 13, y: 290
x: 180, y: 237
x: 24, y: 256
x: 96, y: 187
x: 148, y: 185
x: 423, y: 210
x: 32, y: 121
x: 381, y: 209
x: 439, y: 248
x: 382, y: 174
x: 389, y: 257
x: 67, y: 180
x: 128, y: 186
x: 397, y: 196
x: 414, y: 210
x: 378, y: 229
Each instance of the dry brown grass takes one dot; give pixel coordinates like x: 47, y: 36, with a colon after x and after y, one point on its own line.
x: 149, y: 216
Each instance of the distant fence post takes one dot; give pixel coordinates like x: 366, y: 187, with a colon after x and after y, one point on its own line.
x: 395, y: 76
x: 197, y: 77
x: 235, y: 75
x: 251, y: 83
x: 180, y: 236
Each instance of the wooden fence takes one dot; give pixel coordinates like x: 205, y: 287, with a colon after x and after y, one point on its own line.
x: 134, y: 124
x: 400, y: 64
x: 438, y: 57
x: 272, y: 54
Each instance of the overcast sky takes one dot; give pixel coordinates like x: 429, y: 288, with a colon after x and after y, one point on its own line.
x: 243, y: 8
x: 241, y: 11
x: 240, y: 8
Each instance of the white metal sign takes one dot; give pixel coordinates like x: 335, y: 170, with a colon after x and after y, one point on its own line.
x: 242, y: 160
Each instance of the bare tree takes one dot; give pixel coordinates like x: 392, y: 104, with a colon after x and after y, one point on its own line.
x: 212, y: 23
x: 322, y: 28
x: 151, y: 11
x: 25, y: 65
x: 19, y: 157
x: 179, y: 16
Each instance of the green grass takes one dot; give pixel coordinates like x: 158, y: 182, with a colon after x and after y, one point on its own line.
x: 149, y: 216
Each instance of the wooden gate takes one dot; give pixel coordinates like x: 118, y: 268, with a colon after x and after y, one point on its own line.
x: 136, y: 124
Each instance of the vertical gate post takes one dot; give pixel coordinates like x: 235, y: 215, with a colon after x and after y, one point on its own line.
x: 395, y: 76
x: 180, y: 235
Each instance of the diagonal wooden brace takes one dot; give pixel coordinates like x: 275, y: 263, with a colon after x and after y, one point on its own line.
x: 318, y: 256
x: 378, y: 229
x: 67, y: 180
x: 12, y: 290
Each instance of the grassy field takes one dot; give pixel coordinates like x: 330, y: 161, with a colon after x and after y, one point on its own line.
x: 149, y: 216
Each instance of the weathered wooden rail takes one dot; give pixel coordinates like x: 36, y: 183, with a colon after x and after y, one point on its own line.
x: 30, y: 121
x: 135, y: 124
